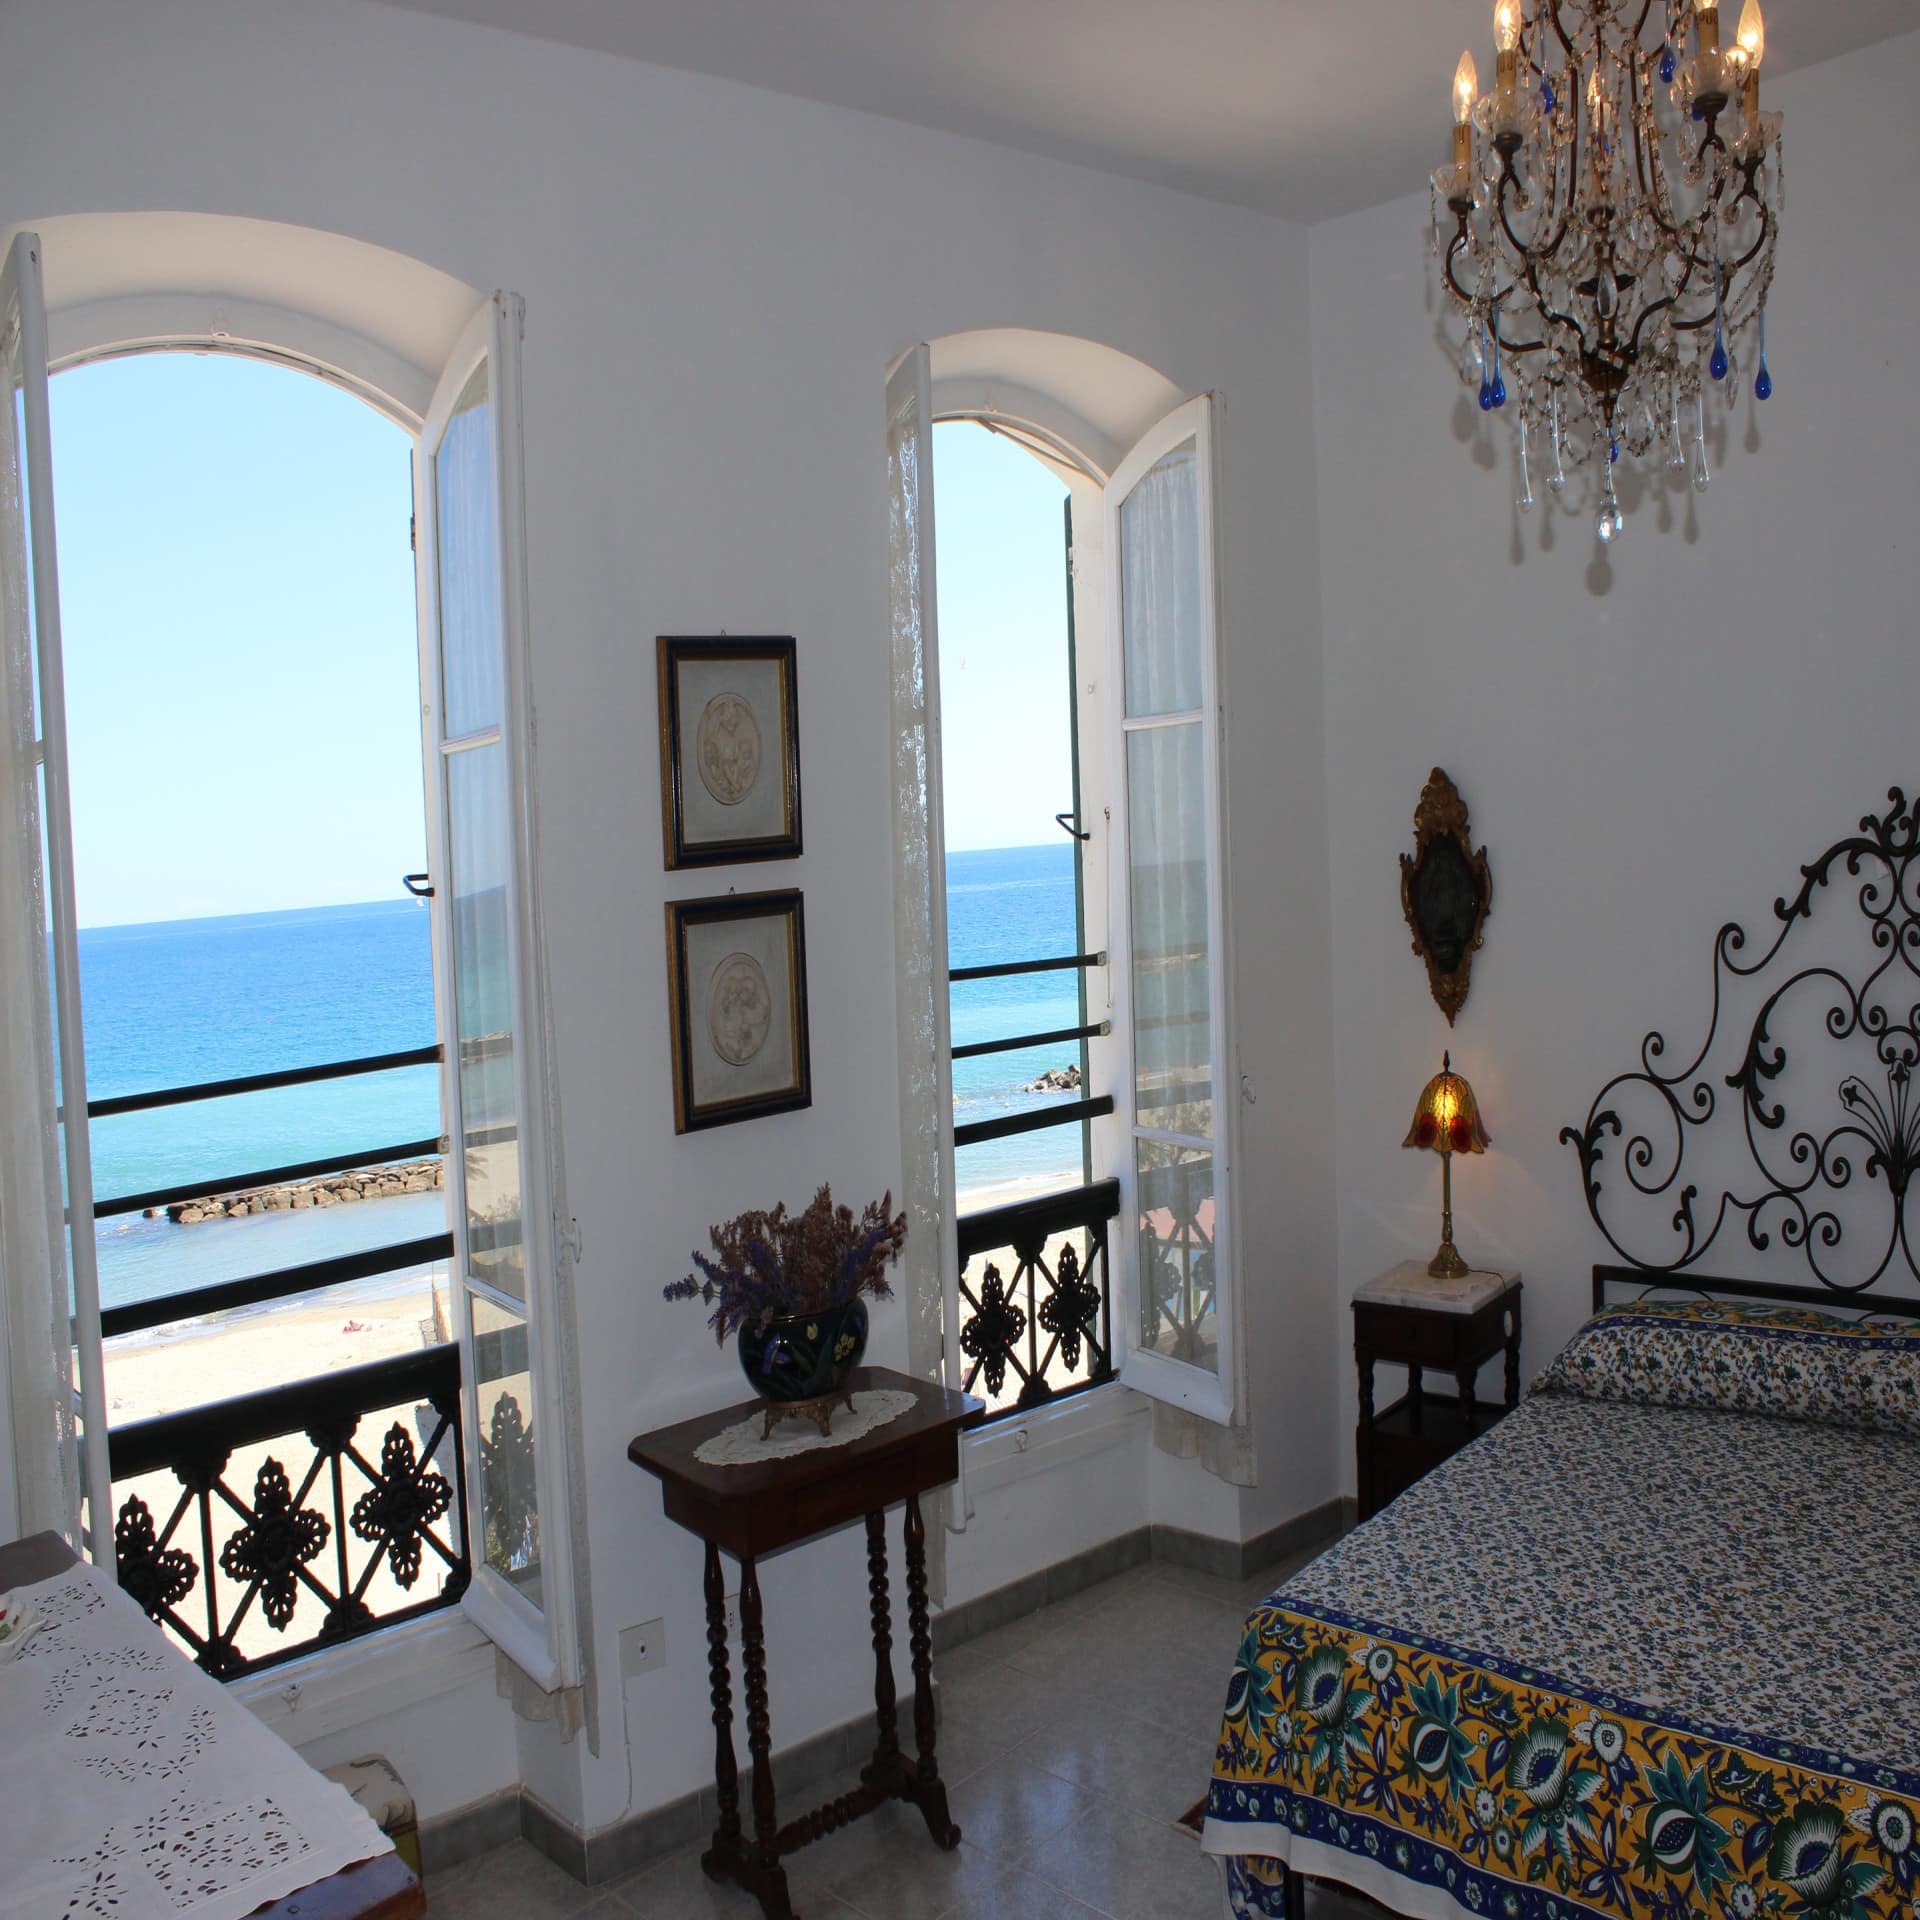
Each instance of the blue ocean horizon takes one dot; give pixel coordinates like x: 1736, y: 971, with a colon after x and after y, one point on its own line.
x: 175, y: 1002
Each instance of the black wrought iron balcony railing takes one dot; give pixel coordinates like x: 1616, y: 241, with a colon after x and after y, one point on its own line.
x: 334, y: 1533
x: 1057, y: 1113
x: 259, y: 1528
x: 1042, y: 1329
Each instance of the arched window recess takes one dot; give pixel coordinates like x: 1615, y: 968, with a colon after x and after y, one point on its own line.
x: 443, y: 361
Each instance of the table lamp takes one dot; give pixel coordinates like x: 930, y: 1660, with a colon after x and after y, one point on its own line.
x: 1447, y: 1121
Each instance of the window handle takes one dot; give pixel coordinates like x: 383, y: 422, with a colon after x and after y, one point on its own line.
x: 417, y: 884
x: 1070, y: 825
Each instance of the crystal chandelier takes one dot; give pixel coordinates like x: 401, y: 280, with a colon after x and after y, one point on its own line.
x: 1612, y: 209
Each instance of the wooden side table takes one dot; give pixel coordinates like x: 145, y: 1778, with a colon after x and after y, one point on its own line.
x: 752, y: 1510
x: 1412, y: 1320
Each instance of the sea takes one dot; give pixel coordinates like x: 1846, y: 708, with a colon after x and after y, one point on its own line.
x: 182, y: 1001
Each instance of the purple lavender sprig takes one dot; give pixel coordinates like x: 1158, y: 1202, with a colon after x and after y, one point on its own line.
x: 765, y: 1265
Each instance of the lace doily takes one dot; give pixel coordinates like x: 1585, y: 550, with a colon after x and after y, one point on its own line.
x: 133, y: 1788
x: 740, y: 1445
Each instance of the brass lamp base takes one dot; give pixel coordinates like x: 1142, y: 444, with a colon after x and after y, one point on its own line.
x: 1447, y: 1264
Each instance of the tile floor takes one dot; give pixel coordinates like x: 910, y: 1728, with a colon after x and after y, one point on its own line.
x: 1071, y: 1742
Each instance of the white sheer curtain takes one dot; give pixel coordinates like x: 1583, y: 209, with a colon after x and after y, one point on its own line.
x: 33, y: 1254
x: 919, y: 898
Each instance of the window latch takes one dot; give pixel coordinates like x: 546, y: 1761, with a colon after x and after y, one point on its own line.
x: 418, y: 884
x: 1070, y: 825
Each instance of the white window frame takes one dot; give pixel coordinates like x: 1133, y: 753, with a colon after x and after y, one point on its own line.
x: 545, y: 1642
x: 542, y: 1640
x: 1053, y: 435
x: 1210, y: 1395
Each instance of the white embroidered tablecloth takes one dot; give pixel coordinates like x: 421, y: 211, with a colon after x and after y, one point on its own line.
x: 133, y: 1788
x: 742, y: 1444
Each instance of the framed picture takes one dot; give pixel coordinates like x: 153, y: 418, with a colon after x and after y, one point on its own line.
x: 729, y: 751
x: 737, y: 968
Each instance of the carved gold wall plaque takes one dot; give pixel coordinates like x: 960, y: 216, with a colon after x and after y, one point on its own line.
x: 1446, y: 892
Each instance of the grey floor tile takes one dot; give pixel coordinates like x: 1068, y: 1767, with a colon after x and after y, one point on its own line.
x: 1014, y: 1895
x: 912, y: 1879
x: 676, y: 1889
x: 1010, y: 1806
x: 987, y: 1708
x: 511, y: 1883
x: 1131, y: 1868
x: 1152, y: 1772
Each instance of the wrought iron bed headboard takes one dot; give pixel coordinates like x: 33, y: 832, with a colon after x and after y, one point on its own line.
x: 1810, y: 1186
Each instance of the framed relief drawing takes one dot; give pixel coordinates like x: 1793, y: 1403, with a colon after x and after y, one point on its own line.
x: 729, y: 751
x: 737, y: 970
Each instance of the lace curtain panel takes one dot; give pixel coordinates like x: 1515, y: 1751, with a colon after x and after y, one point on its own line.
x: 919, y: 879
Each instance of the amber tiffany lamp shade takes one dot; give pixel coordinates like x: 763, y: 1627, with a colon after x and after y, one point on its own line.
x: 1446, y: 1122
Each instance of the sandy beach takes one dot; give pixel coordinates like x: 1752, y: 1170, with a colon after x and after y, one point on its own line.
x: 242, y: 1351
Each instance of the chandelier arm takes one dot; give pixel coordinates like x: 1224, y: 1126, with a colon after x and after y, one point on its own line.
x: 1553, y: 14
x: 1529, y: 259
x: 1544, y: 251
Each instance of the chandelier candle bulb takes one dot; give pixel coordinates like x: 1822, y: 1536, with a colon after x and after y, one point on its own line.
x: 1706, y: 20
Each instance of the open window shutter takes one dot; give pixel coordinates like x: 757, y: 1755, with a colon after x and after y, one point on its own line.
x: 46, y: 1174
x: 1170, y: 1001
x: 470, y: 566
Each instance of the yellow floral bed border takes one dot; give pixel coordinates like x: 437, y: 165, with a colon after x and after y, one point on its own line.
x: 1522, y: 1800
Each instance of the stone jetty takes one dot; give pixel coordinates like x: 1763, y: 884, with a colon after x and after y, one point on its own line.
x: 338, y: 1189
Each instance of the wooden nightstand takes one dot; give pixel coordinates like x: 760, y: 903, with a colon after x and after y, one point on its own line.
x: 1451, y: 1326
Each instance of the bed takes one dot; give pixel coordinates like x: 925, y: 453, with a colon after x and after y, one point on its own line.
x: 1650, y: 1648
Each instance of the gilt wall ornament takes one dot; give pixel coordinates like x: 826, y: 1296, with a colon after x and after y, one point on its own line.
x: 1446, y: 892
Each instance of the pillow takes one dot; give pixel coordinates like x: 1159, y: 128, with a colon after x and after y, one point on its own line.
x: 1791, y: 1362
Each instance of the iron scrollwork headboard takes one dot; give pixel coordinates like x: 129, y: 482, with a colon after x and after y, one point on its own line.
x: 1817, y: 1181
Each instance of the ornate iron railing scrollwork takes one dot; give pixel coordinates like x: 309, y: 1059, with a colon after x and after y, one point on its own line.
x: 1805, y: 1169
x: 201, y: 1577
x: 1049, y: 1323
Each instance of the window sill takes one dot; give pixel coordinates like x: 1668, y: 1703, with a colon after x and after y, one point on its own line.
x: 1016, y: 1449
x: 386, y: 1673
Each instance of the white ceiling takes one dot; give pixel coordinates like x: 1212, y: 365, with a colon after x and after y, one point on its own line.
x: 1301, y: 107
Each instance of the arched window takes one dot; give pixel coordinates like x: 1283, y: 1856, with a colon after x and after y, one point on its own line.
x: 1127, y: 1271
x: 478, y: 1493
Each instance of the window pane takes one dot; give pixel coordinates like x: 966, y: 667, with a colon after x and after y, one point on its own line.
x: 477, y: 832
x: 471, y: 674
x: 509, y: 1492
x: 1167, y: 881
x: 1176, y: 1252
x: 1160, y: 606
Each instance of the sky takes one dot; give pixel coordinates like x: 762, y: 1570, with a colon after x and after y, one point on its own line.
x: 237, y: 618
x: 242, y: 676
x: 1000, y: 555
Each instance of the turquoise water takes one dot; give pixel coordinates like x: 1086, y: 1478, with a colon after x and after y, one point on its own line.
x: 183, y: 1001
x: 1012, y: 903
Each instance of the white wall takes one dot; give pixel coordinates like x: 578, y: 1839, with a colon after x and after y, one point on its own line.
x: 715, y: 281
x: 1651, y: 743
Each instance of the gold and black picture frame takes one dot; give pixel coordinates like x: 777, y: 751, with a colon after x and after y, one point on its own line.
x: 1446, y: 892
x: 729, y: 750
x: 737, y: 975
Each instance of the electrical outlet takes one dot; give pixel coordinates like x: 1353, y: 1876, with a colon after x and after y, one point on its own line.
x: 643, y: 1648
x: 733, y: 1620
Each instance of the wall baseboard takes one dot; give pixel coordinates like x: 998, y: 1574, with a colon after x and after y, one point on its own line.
x: 595, y: 1858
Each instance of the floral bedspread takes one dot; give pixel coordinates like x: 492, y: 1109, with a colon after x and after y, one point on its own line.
x: 1640, y: 1662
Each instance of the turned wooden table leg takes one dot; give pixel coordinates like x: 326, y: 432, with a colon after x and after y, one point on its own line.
x: 769, y: 1881
x: 885, y: 1769
x: 927, y: 1791
x: 725, y: 1850
x: 1465, y: 1377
